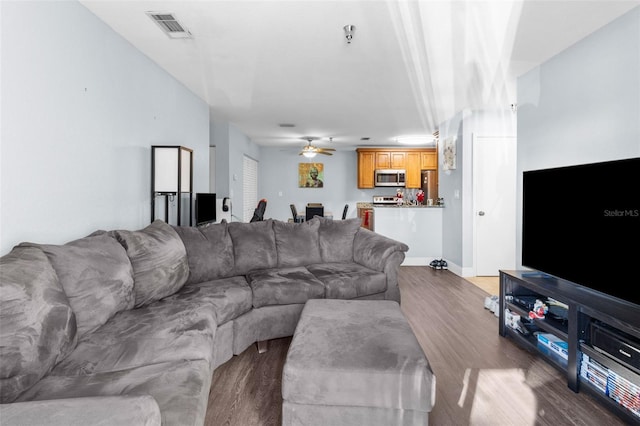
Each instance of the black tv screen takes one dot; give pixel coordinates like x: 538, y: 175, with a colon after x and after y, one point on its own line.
x: 582, y: 224
x: 205, y: 208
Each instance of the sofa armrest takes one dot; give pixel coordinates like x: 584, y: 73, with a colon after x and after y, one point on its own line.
x: 372, y: 250
x: 382, y: 254
x: 139, y: 410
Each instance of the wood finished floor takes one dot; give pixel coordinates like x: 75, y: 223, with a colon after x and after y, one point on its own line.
x: 482, y: 378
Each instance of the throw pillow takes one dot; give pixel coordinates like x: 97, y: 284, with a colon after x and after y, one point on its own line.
x: 159, y: 260
x: 336, y: 239
x: 297, y: 243
x: 38, y: 327
x: 209, y: 251
x: 254, y: 246
x: 96, y: 276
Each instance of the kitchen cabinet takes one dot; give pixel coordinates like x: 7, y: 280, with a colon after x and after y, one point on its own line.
x: 390, y: 160
x: 429, y: 160
x: 366, y: 168
x: 412, y: 160
x: 412, y: 177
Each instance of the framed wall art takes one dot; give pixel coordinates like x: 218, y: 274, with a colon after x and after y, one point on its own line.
x: 449, y: 154
x: 310, y: 175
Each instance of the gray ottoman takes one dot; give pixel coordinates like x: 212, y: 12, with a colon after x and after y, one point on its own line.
x: 356, y: 362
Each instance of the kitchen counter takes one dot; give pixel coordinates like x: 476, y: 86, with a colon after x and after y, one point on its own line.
x: 419, y: 227
x: 406, y: 206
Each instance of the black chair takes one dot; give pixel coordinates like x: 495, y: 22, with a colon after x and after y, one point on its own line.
x: 294, y: 212
x: 344, y: 212
x: 258, y: 213
x: 312, y: 211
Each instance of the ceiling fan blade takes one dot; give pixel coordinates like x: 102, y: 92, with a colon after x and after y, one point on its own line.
x: 325, y: 149
x: 323, y: 152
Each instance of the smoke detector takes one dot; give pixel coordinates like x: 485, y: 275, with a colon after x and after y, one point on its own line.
x: 348, y: 32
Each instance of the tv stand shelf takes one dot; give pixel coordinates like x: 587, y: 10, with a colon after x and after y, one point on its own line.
x: 585, y: 307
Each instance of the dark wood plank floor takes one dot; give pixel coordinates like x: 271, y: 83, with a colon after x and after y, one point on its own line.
x: 482, y: 378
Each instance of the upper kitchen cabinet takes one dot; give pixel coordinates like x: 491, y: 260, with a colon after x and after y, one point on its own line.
x: 429, y: 160
x: 412, y: 178
x: 366, y: 169
x: 412, y: 160
x: 390, y: 160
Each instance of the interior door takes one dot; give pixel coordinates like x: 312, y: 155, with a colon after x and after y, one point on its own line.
x: 494, y: 180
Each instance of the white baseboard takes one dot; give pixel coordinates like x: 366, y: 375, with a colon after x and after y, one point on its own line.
x: 460, y: 271
x: 424, y: 261
x: 417, y: 261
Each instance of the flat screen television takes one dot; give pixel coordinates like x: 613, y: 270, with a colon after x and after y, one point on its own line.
x: 582, y: 224
x: 205, y: 208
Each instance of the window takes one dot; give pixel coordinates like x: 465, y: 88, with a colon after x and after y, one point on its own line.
x: 249, y: 187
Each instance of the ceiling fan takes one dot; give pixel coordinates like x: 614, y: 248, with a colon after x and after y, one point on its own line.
x: 310, y: 151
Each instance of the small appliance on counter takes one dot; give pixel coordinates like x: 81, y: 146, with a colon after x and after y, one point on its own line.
x: 385, y: 200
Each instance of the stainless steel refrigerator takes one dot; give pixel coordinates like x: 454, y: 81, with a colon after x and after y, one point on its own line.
x: 429, y: 184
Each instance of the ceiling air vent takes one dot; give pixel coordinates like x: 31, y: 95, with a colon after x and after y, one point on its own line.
x: 169, y: 24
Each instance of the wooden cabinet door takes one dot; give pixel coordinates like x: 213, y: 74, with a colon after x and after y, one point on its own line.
x: 398, y: 160
x: 412, y: 178
x: 429, y: 160
x: 383, y: 160
x: 366, y: 168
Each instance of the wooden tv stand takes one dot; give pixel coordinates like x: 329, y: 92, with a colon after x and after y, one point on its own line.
x: 585, y: 306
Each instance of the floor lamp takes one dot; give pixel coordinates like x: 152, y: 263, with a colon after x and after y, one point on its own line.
x: 171, y: 176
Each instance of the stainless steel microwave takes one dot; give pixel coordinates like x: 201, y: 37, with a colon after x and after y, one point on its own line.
x: 390, y: 177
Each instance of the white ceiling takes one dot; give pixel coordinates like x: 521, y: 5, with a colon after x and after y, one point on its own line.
x: 411, y: 64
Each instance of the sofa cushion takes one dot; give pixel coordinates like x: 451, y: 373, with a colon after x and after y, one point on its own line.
x: 336, y: 239
x: 348, y: 280
x: 209, y: 251
x: 254, y: 246
x: 230, y: 297
x: 97, y: 277
x: 37, y: 324
x: 297, y: 243
x: 284, y: 286
x: 159, y: 260
x: 180, y: 388
x: 159, y: 332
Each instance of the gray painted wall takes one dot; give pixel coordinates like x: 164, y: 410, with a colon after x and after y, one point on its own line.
x: 458, y: 215
x: 278, y: 171
x: 583, y: 105
x: 81, y: 108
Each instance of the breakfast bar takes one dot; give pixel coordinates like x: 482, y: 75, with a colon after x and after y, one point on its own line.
x: 419, y: 227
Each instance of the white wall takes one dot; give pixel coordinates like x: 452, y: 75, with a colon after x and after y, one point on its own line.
x: 583, y: 105
x: 80, y: 109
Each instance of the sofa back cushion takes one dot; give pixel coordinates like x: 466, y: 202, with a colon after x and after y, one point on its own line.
x: 159, y: 261
x: 336, y: 239
x: 209, y: 251
x: 37, y: 324
x: 254, y: 246
x: 297, y: 243
x: 96, y: 276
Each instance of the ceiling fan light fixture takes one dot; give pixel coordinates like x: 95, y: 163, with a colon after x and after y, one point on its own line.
x: 309, y: 154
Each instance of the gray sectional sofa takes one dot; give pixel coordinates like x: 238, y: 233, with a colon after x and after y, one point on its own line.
x: 127, y: 327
